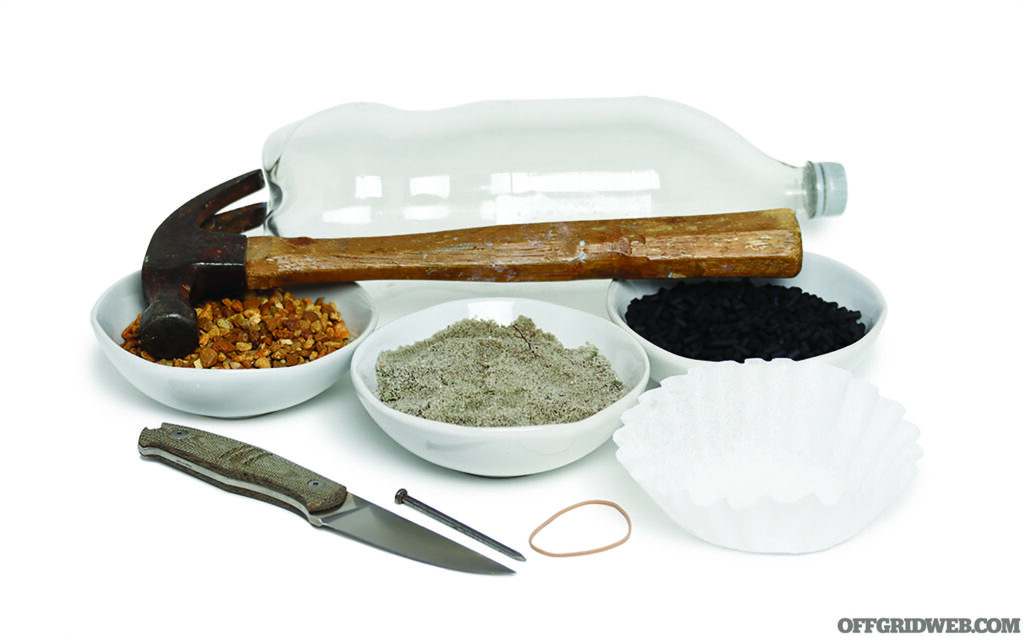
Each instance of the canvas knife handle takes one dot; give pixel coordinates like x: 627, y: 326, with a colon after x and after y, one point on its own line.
x: 242, y: 469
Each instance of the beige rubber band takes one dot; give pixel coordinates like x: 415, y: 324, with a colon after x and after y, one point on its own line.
x: 600, y: 502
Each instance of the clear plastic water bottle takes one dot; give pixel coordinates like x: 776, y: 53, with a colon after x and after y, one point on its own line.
x: 367, y: 169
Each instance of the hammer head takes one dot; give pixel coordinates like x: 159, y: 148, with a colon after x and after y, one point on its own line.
x: 186, y: 263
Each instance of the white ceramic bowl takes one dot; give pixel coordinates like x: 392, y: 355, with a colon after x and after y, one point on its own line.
x: 777, y: 457
x: 506, y: 451
x: 821, y: 276
x: 230, y: 392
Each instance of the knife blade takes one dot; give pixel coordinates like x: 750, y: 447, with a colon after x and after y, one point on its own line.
x: 247, y: 470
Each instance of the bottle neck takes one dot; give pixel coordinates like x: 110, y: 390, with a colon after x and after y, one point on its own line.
x: 824, y: 188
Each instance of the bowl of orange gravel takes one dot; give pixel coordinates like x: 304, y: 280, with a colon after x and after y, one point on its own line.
x: 261, y: 352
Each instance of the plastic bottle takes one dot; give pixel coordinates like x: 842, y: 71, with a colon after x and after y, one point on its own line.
x: 367, y: 169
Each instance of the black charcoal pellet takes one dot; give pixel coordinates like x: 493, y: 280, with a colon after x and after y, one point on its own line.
x: 736, y: 320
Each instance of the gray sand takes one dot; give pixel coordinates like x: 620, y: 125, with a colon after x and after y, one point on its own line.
x: 479, y: 373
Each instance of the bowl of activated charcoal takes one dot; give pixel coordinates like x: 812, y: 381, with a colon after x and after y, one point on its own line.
x: 499, y: 387
x: 829, y: 312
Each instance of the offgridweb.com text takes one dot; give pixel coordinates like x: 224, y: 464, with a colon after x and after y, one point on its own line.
x: 929, y: 625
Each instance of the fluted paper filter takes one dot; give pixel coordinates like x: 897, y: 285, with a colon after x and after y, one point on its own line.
x: 769, y: 456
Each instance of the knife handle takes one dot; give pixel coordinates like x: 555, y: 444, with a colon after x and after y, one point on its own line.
x: 242, y: 469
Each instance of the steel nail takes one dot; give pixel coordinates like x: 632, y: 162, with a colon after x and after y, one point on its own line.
x: 403, y: 497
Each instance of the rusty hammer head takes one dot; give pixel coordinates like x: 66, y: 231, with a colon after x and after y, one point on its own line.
x: 189, y: 260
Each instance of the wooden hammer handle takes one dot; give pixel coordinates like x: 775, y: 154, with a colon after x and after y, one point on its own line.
x: 763, y: 243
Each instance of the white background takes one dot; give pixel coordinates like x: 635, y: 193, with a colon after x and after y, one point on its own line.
x: 113, y: 115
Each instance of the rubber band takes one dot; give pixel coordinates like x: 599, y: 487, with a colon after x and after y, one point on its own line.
x: 600, y: 502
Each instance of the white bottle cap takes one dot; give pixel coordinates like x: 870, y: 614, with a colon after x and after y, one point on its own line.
x: 830, y: 186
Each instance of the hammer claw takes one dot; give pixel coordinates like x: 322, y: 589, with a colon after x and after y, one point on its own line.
x: 238, y: 220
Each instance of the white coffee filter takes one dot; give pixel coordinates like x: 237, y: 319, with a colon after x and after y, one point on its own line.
x: 769, y: 456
